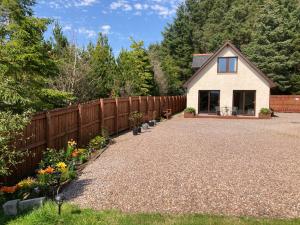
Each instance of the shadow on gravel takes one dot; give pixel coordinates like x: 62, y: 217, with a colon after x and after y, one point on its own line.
x: 76, y: 188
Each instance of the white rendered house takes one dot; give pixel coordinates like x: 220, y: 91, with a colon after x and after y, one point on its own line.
x: 227, y: 83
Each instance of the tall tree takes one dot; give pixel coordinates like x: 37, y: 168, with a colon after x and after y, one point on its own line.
x: 136, y: 72
x: 275, y: 47
x: 102, y: 69
x: 25, y: 58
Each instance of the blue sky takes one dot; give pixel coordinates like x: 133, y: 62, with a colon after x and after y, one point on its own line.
x: 119, y: 19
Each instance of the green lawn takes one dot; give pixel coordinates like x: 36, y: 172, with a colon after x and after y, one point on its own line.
x: 73, y: 215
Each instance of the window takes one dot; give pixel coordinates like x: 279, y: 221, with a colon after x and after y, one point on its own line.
x: 227, y: 64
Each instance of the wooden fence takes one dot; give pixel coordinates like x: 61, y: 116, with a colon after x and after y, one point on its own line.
x: 52, y: 129
x: 285, y: 103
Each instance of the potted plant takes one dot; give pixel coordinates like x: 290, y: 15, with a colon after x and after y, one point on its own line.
x: 135, y: 119
x: 189, y: 112
x: 265, y: 113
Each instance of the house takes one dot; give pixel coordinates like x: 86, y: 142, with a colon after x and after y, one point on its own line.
x: 227, y: 83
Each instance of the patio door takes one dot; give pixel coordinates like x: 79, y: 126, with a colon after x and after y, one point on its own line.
x: 244, y: 102
x: 208, y: 101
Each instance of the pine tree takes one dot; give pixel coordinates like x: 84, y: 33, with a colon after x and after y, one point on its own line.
x: 274, y: 48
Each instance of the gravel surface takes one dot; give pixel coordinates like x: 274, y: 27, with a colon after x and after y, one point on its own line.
x: 230, y: 167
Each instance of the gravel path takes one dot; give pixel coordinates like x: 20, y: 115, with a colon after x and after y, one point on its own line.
x: 231, y: 167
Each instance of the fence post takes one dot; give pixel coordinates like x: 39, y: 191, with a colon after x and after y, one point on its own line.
x: 79, y: 125
x: 147, y: 108
x: 130, y: 105
x: 102, y: 114
x: 117, y: 116
x: 100, y: 117
x: 140, y: 103
x: 48, y: 131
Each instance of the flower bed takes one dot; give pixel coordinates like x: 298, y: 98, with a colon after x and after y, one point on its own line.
x: 57, y: 168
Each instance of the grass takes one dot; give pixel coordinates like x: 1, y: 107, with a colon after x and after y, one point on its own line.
x: 73, y: 215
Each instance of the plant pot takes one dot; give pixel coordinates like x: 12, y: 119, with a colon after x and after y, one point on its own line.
x: 139, y: 129
x: 135, y: 131
x: 151, y: 123
x: 265, y: 116
x: 189, y: 115
x: 145, y: 126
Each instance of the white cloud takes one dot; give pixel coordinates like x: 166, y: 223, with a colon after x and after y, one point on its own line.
x: 121, y: 4
x: 85, y: 3
x: 105, y: 29
x: 57, y: 4
x: 84, y: 31
x: 163, y: 8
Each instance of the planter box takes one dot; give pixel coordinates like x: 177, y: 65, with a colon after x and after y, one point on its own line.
x: 189, y: 115
x: 265, y: 116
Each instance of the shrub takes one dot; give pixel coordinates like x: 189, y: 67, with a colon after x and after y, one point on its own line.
x: 265, y: 111
x: 51, y: 157
x: 190, y: 110
x: 11, y: 130
x: 135, y: 118
x: 97, y: 143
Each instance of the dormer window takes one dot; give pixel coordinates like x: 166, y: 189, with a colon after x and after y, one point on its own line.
x: 227, y: 64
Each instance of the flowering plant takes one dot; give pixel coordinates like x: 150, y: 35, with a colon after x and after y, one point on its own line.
x: 10, y: 190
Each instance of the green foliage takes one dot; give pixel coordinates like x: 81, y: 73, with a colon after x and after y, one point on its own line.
x: 26, y: 65
x: 51, y: 157
x: 190, y: 110
x: 11, y: 130
x: 265, y: 111
x: 135, y: 119
x: 102, y: 69
x: 136, y: 72
x: 97, y: 143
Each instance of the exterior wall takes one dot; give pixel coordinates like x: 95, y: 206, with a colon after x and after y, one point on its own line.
x: 246, y: 78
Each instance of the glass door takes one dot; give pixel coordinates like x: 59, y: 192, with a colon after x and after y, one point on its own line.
x: 244, y: 102
x: 208, y: 101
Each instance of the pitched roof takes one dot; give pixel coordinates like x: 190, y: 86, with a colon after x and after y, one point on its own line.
x: 199, y: 60
x: 212, y: 56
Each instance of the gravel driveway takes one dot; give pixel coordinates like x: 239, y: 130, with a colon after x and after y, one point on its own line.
x: 231, y: 167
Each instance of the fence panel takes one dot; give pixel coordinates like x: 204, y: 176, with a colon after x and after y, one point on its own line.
x: 53, y: 129
x: 285, y: 103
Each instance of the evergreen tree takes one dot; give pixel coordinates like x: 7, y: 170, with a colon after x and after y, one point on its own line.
x: 136, y: 72
x: 102, y: 72
x: 26, y: 64
x: 275, y: 48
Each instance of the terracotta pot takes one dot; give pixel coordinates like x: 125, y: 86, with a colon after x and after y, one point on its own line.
x: 189, y: 115
x: 265, y: 116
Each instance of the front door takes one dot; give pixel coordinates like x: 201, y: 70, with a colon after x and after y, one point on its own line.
x: 244, y: 102
x: 208, y: 101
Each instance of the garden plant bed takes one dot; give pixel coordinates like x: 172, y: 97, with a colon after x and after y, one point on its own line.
x: 236, y: 167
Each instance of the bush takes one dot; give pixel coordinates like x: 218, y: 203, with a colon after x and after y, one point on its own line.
x: 190, y: 110
x: 265, y: 111
x: 135, y: 119
x: 97, y: 143
x: 11, y: 130
x: 51, y: 157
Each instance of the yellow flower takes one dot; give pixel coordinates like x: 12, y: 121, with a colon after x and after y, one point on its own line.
x: 72, y: 143
x: 26, y: 183
x: 41, y: 171
x: 61, y: 165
